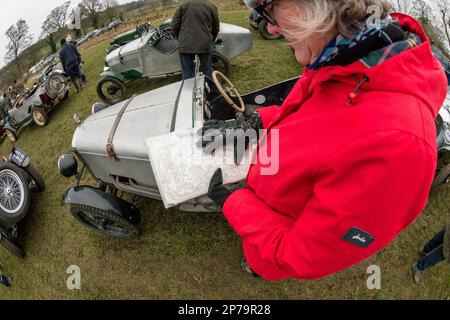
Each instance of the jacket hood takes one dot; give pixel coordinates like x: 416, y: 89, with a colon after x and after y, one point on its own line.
x: 413, y: 72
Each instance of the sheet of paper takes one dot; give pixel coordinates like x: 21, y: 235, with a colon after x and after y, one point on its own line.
x: 183, y: 171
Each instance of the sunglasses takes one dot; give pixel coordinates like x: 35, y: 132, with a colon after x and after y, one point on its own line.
x: 264, y: 8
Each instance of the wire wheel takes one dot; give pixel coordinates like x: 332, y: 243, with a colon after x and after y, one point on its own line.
x: 55, y: 85
x: 12, y: 194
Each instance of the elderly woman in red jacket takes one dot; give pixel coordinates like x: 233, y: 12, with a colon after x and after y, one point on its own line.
x: 357, y: 140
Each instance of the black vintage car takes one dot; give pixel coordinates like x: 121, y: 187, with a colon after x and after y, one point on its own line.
x: 18, y: 178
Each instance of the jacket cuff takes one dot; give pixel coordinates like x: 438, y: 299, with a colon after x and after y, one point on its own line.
x: 267, y: 114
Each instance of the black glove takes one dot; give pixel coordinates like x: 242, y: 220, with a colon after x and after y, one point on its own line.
x: 217, y: 191
x: 217, y: 133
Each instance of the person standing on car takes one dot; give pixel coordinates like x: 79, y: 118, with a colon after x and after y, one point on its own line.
x: 70, y: 59
x: 337, y: 186
x: 196, y: 25
x: 435, y: 251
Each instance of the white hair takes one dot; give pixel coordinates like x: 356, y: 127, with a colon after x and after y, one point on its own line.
x: 313, y: 17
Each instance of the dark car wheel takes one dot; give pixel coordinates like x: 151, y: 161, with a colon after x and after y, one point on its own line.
x: 221, y: 63
x: 111, y: 90
x: 11, y: 135
x: 37, y: 178
x: 40, y: 117
x: 105, y: 222
x: 265, y: 33
x: 55, y: 85
x: 441, y: 178
x: 11, y: 246
x: 14, y: 193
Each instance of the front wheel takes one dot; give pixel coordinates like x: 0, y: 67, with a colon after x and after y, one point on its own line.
x: 111, y: 90
x: 14, y: 194
x: 11, y: 135
x: 105, y: 222
x: 221, y: 63
x: 40, y: 117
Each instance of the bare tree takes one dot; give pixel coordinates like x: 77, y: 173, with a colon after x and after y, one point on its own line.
x: 444, y: 10
x: 92, y: 8
x: 19, y: 39
x: 111, y: 10
x: 404, y: 6
x: 54, y: 23
x: 422, y: 11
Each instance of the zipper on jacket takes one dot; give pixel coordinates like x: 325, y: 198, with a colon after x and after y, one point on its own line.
x: 353, y: 97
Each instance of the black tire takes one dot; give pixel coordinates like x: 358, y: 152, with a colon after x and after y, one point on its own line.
x: 36, y: 176
x: 221, y: 63
x: 107, y: 223
x: 265, y: 33
x: 115, y: 86
x: 11, y: 246
x: 40, y: 117
x: 14, y: 194
x: 11, y: 135
x: 440, y: 178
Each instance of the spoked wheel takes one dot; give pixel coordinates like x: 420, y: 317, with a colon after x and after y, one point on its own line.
x: 40, y: 117
x: 221, y: 63
x: 105, y: 222
x: 11, y: 135
x: 11, y: 245
x: 55, y: 85
x: 14, y: 193
x: 111, y: 90
x: 442, y: 177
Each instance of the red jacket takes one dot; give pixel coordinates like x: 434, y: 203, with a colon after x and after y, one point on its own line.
x: 361, y: 172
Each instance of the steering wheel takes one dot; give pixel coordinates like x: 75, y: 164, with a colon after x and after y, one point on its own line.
x: 166, y: 33
x: 227, y: 89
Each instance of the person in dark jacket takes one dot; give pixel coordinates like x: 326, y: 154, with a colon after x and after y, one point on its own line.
x: 6, y: 105
x: 70, y: 60
x: 435, y: 251
x: 196, y: 25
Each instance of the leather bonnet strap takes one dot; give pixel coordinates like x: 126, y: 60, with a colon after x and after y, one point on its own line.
x: 109, y: 144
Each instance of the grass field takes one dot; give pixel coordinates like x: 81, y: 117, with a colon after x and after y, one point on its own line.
x: 183, y: 255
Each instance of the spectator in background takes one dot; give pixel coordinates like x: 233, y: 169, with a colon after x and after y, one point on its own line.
x: 6, y: 105
x: 196, y: 25
x: 69, y: 39
x: 70, y: 59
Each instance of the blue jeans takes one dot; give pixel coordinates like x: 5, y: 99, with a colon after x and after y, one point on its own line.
x: 432, y: 252
x: 188, y: 65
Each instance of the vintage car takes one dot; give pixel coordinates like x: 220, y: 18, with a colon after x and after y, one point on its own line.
x: 155, y: 54
x: 18, y: 178
x: 259, y: 23
x: 33, y: 106
x: 154, y: 113
x: 443, y: 144
x: 133, y: 34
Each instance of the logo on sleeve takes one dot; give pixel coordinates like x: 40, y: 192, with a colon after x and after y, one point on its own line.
x: 358, y: 237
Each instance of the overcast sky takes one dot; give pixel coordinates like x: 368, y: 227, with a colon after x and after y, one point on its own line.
x: 33, y: 12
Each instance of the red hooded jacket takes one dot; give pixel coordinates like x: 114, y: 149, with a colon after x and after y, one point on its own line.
x: 351, y: 177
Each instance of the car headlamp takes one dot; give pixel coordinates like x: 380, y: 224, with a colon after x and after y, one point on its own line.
x: 261, y: 6
x: 67, y: 165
